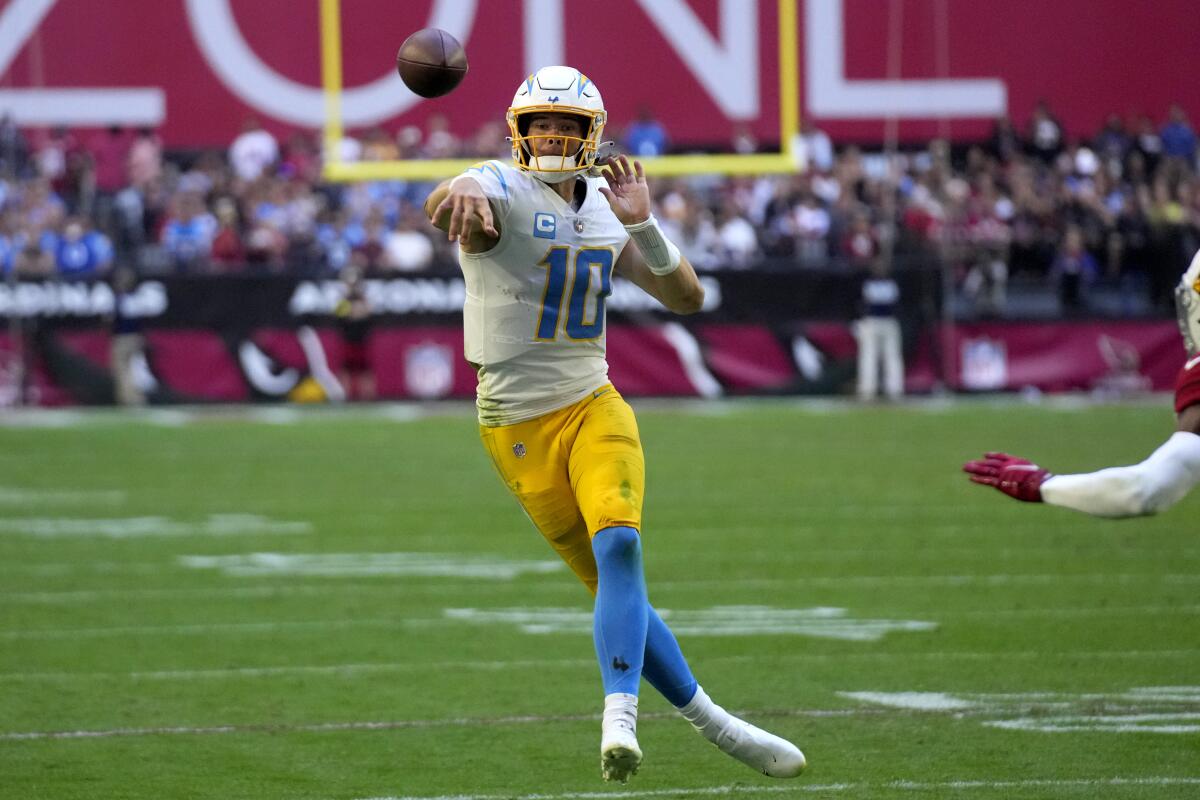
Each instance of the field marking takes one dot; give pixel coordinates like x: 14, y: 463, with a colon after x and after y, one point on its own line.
x: 1147, y: 709
x: 438, y: 565
x: 386, y: 725
x: 822, y: 621
x: 19, y: 496
x: 138, y: 527
x: 355, y: 669
x: 814, y: 788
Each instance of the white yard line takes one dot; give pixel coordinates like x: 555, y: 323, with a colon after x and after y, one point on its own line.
x: 798, y: 582
x: 382, y: 725
x: 926, y: 787
x: 355, y: 669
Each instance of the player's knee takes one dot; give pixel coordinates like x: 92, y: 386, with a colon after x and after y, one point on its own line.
x: 620, y: 543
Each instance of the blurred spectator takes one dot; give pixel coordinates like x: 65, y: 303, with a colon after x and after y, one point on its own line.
x: 812, y: 223
x: 693, y: 231
x: 110, y: 159
x: 1148, y: 143
x: 253, y: 151
x: 1178, y: 138
x: 353, y: 313
x: 378, y: 146
x: 80, y: 252
x: 408, y: 248
x: 188, y: 234
x: 14, y: 150
x: 878, y: 334
x: 817, y: 147
x: 265, y: 246
x: 128, y: 345
x: 1074, y: 270
x: 1004, y: 144
x: 738, y: 239
x: 300, y: 159
x: 337, y: 236
x: 859, y: 245
x: 744, y: 142
x: 645, y: 137
x: 1113, y: 144
x: 145, y: 159
x: 227, y: 252
x: 439, y: 141
x: 40, y: 206
x: 368, y: 254
x: 33, y: 256
x: 1045, y: 133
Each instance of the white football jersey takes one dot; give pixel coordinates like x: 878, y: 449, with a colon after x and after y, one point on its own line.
x: 534, y: 317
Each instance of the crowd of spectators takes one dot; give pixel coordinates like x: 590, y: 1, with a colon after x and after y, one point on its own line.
x: 1029, y: 204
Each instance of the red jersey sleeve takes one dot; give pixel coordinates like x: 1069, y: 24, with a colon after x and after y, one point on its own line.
x: 1187, y: 385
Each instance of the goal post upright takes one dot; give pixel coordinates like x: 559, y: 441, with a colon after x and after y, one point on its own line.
x: 784, y: 161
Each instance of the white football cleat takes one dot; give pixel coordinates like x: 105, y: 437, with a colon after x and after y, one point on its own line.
x: 754, y: 747
x: 765, y: 752
x: 620, y: 755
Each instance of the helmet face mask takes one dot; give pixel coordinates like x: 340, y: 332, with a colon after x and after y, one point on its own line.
x: 556, y: 90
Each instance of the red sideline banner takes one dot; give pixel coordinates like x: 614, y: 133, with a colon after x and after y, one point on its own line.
x: 71, y: 366
x: 197, y: 68
x: 1119, y: 357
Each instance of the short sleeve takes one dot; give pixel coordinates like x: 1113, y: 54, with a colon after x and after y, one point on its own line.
x: 496, y: 184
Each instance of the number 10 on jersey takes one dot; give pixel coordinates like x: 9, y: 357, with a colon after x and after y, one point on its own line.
x: 590, y: 272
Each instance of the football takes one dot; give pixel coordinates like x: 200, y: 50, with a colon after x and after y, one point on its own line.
x: 431, y: 62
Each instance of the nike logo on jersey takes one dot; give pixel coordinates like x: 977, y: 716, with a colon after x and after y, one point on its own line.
x: 1191, y: 363
x: 597, y: 394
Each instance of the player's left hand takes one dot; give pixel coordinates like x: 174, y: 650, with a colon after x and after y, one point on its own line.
x: 1016, y: 477
x: 628, y: 193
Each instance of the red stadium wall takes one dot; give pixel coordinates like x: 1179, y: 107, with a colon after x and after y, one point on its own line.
x: 161, y: 61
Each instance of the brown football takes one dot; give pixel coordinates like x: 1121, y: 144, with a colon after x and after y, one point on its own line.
x: 431, y: 62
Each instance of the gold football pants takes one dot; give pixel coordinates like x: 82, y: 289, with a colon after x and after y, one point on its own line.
x: 575, y: 471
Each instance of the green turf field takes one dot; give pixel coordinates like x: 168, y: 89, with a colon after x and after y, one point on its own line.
x: 829, y: 571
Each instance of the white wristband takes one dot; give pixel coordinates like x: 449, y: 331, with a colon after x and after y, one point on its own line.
x: 662, y: 257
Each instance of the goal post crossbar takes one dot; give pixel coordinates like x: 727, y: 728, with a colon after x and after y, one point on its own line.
x: 784, y: 161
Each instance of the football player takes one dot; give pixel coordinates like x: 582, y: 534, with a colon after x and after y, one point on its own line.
x: 539, y: 243
x: 1155, y: 484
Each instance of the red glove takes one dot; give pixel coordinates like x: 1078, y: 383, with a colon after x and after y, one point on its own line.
x: 1014, y: 476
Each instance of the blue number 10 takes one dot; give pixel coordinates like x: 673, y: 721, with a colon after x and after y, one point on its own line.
x: 558, y: 264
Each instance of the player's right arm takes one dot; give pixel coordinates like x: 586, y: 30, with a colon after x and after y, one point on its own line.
x: 461, y: 208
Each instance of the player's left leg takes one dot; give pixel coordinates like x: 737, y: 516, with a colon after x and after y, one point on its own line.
x: 607, y: 474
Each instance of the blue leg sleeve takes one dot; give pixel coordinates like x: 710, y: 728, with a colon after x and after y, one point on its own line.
x: 666, y: 669
x: 621, y: 609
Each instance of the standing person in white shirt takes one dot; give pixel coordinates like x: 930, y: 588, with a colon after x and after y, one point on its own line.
x: 879, y: 337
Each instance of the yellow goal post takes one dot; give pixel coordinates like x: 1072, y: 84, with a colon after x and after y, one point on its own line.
x: 784, y: 161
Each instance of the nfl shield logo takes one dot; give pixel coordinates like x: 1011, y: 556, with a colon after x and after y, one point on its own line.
x: 519, y: 449
x: 579, y: 226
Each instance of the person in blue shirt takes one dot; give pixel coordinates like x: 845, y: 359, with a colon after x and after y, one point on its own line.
x: 645, y: 136
x: 80, y: 252
x: 1178, y: 138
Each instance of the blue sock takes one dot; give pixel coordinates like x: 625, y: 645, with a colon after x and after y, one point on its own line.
x: 621, y: 609
x: 666, y: 669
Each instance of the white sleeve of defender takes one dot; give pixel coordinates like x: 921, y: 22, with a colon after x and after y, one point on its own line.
x: 1154, y: 485
x: 497, y: 185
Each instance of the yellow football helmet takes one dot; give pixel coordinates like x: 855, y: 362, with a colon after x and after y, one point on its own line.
x: 557, y: 90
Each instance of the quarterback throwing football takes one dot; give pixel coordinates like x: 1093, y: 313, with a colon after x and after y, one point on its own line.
x: 539, y: 243
x: 1155, y: 484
